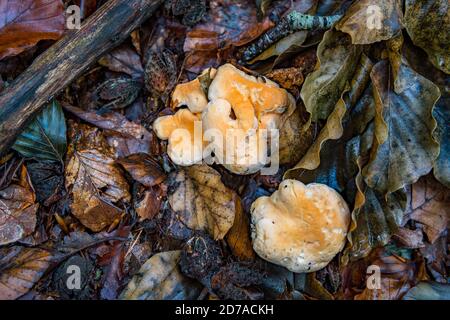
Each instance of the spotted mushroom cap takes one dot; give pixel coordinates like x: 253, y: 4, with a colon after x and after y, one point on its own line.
x: 301, y: 227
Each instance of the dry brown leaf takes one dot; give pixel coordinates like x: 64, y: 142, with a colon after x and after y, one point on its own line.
x: 430, y: 205
x: 229, y: 23
x: 149, y: 206
x: 123, y: 59
x: 24, y: 23
x: 18, y: 209
x: 143, y: 169
x: 126, y: 137
x: 202, y: 201
x: 20, y: 269
x: 238, y: 238
x: 96, y: 183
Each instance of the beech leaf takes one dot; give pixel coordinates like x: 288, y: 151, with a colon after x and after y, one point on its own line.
x: 18, y: 209
x: 369, y: 21
x: 20, y: 269
x: 45, y: 137
x: 428, y: 25
x: 404, y: 148
x: 202, y: 201
x: 24, y: 23
x: 322, y: 88
x: 160, y: 279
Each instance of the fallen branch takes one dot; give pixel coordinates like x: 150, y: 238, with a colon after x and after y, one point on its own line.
x: 294, y: 21
x: 65, y: 61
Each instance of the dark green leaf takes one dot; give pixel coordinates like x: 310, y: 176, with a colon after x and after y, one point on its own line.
x: 45, y: 137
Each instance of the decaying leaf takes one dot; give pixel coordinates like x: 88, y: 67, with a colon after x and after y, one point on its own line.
x: 228, y: 23
x: 238, y: 238
x: 45, y: 137
x: 150, y: 204
x: 47, y: 179
x: 404, y: 148
x: 369, y: 21
x: 94, y: 180
x: 202, y: 201
x: 161, y: 73
x: 430, y: 205
x: 442, y: 115
x: 143, y: 169
x: 124, y: 136
x: 429, y: 291
x: 18, y: 209
x: 428, y: 23
x: 24, y: 23
x: 123, y: 59
x: 20, y: 269
x: 160, y: 279
x: 337, y: 59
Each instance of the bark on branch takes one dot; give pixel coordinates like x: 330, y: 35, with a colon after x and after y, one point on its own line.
x: 66, y: 60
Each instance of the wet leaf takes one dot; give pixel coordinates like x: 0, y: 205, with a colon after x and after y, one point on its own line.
x: 160, y: 279
x: 202, y: 201
x: 18, y: 209
x: 143, y: 169
x: 331, y: 159
x: 123, y: 59
x: 398, y: 275
x: 124, y: 136
x: 428, y: 23
x: 429, y: 205
x: 228, y: 23
x: 24, y: 23
x: 369, y: 21
x: 20, y: 269
x: 442, y: 165
x: 238, y: 238
x: 47, y: 179
x: 404, y: 148
x: 148, y: 207
x: 96, y: 183
x: 337, y: 59
x: 429, y: 291
x: 45, y: 137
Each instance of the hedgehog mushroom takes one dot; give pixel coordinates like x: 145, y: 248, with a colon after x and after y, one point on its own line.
x: 301, y: 227
x: 184, y: 147
x: 245, y: 104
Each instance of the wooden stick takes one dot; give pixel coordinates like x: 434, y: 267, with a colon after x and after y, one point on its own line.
x: 66, y: 60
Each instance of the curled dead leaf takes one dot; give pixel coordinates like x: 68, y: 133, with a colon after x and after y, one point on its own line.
x: 202, y: 201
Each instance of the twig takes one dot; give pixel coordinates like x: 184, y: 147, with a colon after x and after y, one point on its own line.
x: 294, y: 21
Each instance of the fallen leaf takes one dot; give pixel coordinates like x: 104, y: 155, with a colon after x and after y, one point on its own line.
x: 143, y: 168
x: 404, y: 148
x: 20, y: 269
x: 160, y: 279
x: 323, y: 88
x: 123, y: 59
x: 150, y: 205
x: 124, y: 136
x: 161, y: 73
x: 45, y: 137
x: 369, y: 21
x: 47, y: 178
x: 429, y: 204
x: 427, y: 23
x: 441, y: 113
x: 228, y: 23
x: 429, y: 291
x: 94, y: 180
x: 202, y: 201
x: 238, y: 238
x: 18, y: 209
x: 397, y: 276
x: 24, y: 23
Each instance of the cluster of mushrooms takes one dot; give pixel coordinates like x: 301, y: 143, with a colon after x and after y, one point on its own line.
x: 301, y: 227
